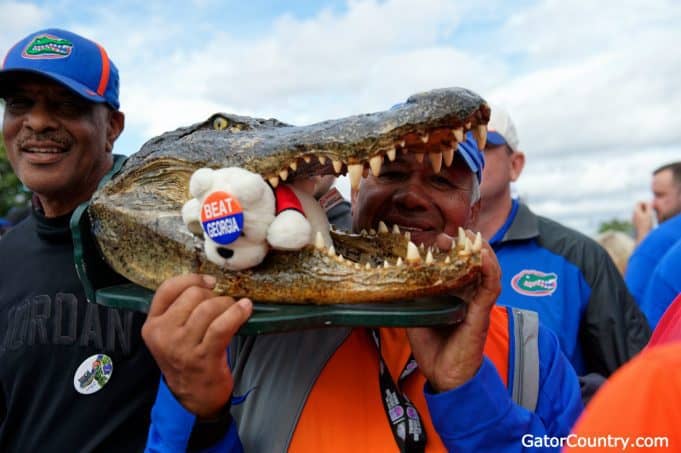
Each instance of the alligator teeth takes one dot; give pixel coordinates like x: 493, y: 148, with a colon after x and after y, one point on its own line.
x: 372, y: 232
x: 367, y: 266
x: 331, y: 252
x: 413, y: 255
x: 480, y: 134
x: 407, y: 235
x: 293, y: 165
x: 477, y: 244
x: 375, y: 164
x: 396, y: 229
x: 447, y: 260
x: 403, y: 143
x: 382, y: 227
x: 363, y: 232
x: 337, y: 166
x: 392, y: 154
x: 283, y: 174
x: 355, y: 173
x: 425, y: 138
x: 467, y: 246
x: 462, y: 236
x: 422, y: 247
x: 357, y: 266
x: 340, y: 258
x: 322, y: 159
x: 429, y: 258
x: 307, y: 159
x: 419, y: 157
x: 436, y: 161
x: 399, y: 261
x: 448, y: 155
x: 458, y: 134
x: 319, y: 241
x: 274, y: 181
x: 385, y: 264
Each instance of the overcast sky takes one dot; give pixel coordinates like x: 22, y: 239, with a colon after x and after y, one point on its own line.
x: 593, y: 86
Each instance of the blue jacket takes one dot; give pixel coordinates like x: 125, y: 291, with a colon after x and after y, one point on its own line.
x: 664, y: 286
x: 643, y: 261
x: 573, y: 284
x: 489, y: 421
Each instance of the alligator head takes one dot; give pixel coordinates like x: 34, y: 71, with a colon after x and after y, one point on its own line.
x: 137, y: 223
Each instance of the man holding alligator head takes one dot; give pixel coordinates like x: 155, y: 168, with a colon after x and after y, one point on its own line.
x: 479, y: 385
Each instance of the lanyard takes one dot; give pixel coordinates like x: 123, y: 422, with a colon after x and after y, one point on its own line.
x: 404, y: 419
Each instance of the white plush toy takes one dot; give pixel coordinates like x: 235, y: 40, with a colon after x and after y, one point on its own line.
x: 240, y: 216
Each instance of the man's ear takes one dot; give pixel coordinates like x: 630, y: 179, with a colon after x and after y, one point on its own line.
x: 114, y: 128
x: 517, y: 164
x: 475, y: 213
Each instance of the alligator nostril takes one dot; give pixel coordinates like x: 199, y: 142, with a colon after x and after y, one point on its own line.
x: 225, y: 252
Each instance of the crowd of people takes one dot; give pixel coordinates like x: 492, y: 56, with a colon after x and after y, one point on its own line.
x: 524, y: 361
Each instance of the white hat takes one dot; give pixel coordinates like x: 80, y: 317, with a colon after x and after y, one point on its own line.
x: 501, y: 130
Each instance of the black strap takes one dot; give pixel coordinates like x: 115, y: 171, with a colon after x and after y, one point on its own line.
x: 403, y: 417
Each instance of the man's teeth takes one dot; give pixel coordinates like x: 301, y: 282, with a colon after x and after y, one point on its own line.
x: 44, y: 150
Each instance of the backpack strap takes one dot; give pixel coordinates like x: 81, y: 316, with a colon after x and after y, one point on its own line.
x: 525, y: 389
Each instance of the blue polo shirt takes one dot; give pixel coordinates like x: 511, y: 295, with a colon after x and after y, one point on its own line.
x: 643, y: 261
x: 664, y: 285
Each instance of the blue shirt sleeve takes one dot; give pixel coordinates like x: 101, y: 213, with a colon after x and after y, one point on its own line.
x: 663, y: 288
x: 481, y: 416
x: 171, y: 427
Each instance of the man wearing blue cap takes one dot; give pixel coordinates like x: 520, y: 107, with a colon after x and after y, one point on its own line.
x: 482, y: 385
x: 561, y: 274
x: 74, y: 376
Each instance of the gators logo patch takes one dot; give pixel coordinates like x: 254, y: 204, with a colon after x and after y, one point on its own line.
x: 534, y: 283
x: 47, y: 47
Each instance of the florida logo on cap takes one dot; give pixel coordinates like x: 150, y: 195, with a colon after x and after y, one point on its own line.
x: 222, y: 217
x: 46, y: 47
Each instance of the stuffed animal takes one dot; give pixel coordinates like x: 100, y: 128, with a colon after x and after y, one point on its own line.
x: 241, y: 217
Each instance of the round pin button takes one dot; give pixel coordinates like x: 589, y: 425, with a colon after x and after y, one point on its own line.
x: 222, y: 218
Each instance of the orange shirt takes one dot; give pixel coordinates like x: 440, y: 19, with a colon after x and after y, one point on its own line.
x: 641, y: 401
x: 345, y: 410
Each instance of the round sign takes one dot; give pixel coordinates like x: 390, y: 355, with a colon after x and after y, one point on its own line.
x: 93, y: 374
x: 222, y: 218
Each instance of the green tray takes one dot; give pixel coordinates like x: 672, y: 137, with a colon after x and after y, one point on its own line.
x: 270, y: 318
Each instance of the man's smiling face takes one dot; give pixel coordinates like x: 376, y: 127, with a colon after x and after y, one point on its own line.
x: 409, y: 193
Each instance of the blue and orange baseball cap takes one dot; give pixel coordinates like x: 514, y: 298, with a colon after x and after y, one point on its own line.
x: 76, y: 62
x: 468, y: 149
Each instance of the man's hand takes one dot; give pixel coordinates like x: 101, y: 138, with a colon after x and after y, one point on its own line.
x: 450, y: 356
x: 187, y: 331
x: 642, y: 218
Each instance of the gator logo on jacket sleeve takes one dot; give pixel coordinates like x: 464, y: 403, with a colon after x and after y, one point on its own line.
x: 534, y: 283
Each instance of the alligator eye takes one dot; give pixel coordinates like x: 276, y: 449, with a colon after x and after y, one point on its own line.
x: 220, y: 123
x: 225, y: 252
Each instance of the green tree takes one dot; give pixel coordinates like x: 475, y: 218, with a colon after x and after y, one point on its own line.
x: 12, y: 192
x: 624, y: 226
